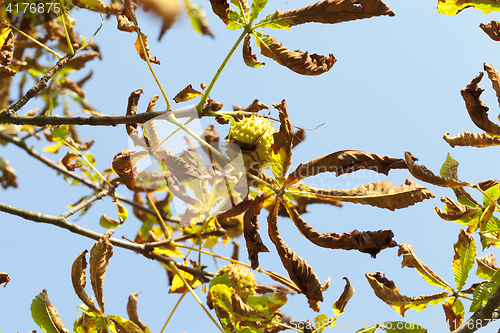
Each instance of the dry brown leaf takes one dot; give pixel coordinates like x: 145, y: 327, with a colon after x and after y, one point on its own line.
x: 462, y: 194
x: 168, y: 10
x: 371, y: 242
x: 132, y: 311
x: 492, y: 29
x: 243, y: 309
x: 148, y: 55
x: 7, y: 51
x: 380, y: 194
x: 300, y: 272
x: 494, y: 78
x: 240, y: 208
x: 125, y: 20
x: 339, y: 305
x: 73, y: 86
x: 250, y: 58
x: 472, y: 140
x: 386, y: 290
x: 345, y: 161
x: 487, y: 264
x: 298, y: 137
x: 4, y: 278
x: 456, y: 211
x: 67, y: 161
x: 476, y: 108
x: 251, y: 230
x: 299, y: 62
x: 80, y: 61
x: 422, y: 173
x: 334, y: 11
x: 221, y: 9
x: 78, y: 278
x: 186, y: 94
x: 124, y: 165
x: 54, y: 315
x: 410, y: 260
x: 453, y: 318
x: 178, y: 167
x: 283, y: 139
x: 100, y: 253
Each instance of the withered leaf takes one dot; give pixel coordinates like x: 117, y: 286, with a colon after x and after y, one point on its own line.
x: 124, y: 165
x: 198, y: 18
x: 476, y: 108
x: 178, y: 167
x: 186, y: 94
x: 371, y: 242
x: 464, y: 196
x: 410, y: 260
x: 298, y: 137
x: 125, y: 20
x: 494, y: 78
x: 345, y: 161
x: 243, y: 309
x: 240, y: 208
x: 422, y: 173
x: 7, y: 49
x: 250, y: 58
x: 380, y: 194
x: 147, y: 54
x: 283, y: 139
x: 486, y: 266
x: 100, y: 253
x: 386, y: 290
x: 73, y: 86
x: 67, y: 161
x: 221, y: 9
x: 251, y: 230
x: 78, y: 278
x: 80, y: 61
x: 339, y: 305
x: 133, y: 101
x: 472, y: 140
x: 334, y: 11
x: 4, y: 278
x: 454, y: 312
x: 492, y: 29
x: 455, y: 211
x: 300, y: 272
x: 8, y: 174
x: 299, y: 62
x: 45, y: 314
x: 132, y: 311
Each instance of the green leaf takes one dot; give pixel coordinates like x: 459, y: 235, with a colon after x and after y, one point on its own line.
x: 122, y: 211
x: 449, y: 168
x: 270, y: 22
x: 235, y: 21
x: 124, y: 325
x: 481, y: 294
x: 257, y: 6
x: 453, y: 7
x: 321, y: 322
x: 463, y: 260
x: 89, y: 324
x: 486, y: 267
x: 402, y: 327
x: 59, y: 132
x: 369, y: 329
x: 84, y: 41
x: 223, y: 279
x: 493, y: 192
x: 198, y: 18
x: 268, y: 303
x: 44, y: 313
x: 109, y: 223
x: 169, y: 250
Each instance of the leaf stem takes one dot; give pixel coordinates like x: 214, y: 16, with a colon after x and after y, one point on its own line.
x: 173, y: 310
x: 176, y: 270
x: 36, y: 42
x: 199, y: 107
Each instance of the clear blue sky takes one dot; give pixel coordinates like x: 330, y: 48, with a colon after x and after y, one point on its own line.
x: 395, y: 88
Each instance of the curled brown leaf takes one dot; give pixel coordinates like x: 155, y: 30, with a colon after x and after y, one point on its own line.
x: 371, y: 242
x: 221, y: 9
x: 145, y: 54
x: 124, y: 165
x: 67, y: 161
x: 78, y: 278
x: 345, y: 161
x: 54, y: 315
x: 4, y: 278
x: 251, y: 230
x: 492, y: 29
x: 100, y: 253
x: 132, y: 311
x: 7, y: 49
x: 186, y: 94
x: 299, y: 62
x: 250, y: 58
x: 283, y: 139
x: 80, y: 61
x: 494, y: 78
x: 472, y: 140
x: 422, y: 173
x: 300, y: 272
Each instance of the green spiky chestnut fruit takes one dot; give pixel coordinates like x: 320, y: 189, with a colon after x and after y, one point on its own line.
x: 242, y: 279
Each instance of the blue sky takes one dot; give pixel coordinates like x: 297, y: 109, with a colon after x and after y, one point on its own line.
x: 395, y: 88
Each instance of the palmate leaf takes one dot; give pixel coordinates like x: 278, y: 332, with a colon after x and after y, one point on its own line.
x: 476, y: 108
x: 345, y: 161
x: 467, y: 139
x: 410, y: 260
x: 386, y: 290
x: 300, y: 272
x: 454, y: 311
x: 299, y: 62
x: 330, y: 11
x: 453, y: 7
x: 371, y: 242
x: 422, y: 173
x: 463, y: 260
x: 380, y: 194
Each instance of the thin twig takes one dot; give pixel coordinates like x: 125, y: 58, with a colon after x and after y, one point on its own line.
x: 86, y: 203
x: 42, y: 84
x: 61, y: 222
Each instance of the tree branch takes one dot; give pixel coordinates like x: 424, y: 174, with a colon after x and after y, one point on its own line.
x: 143, y: 249
x: 483, y: 316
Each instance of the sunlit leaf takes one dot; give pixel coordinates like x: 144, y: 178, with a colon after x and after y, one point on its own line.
x: 463, y: 260
x: 257, y: 6
x: 198, y: 18
x: 169, y: 250
x: 386, y: 290
x: 250, y: 58
x: 486, y: 216
x: 8, y: 174
x: 410, y: 260
x: 132, y: 313
x: 230, y: 17
x: 492, y: 29
x: 90, y: 324
x: 453, y: 7
x: 178, y: 285
x: 422, y: 173
x: 45, y: 314
x: 78, y: 278
x: 339, y: 305
x: 109, y: 223
x: 482, y: 294
x: 145, y: 54
x: 449, y: 168
x: 493, y: 193
x: 186, y: 94
x: 251, y: 230
x: 467, y: 139
x: 486, y: 267
x: 242, y: 6
x: 100, y: 253
x: 299, y: 62
x: 124, y: 325
x: 283, y: 142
